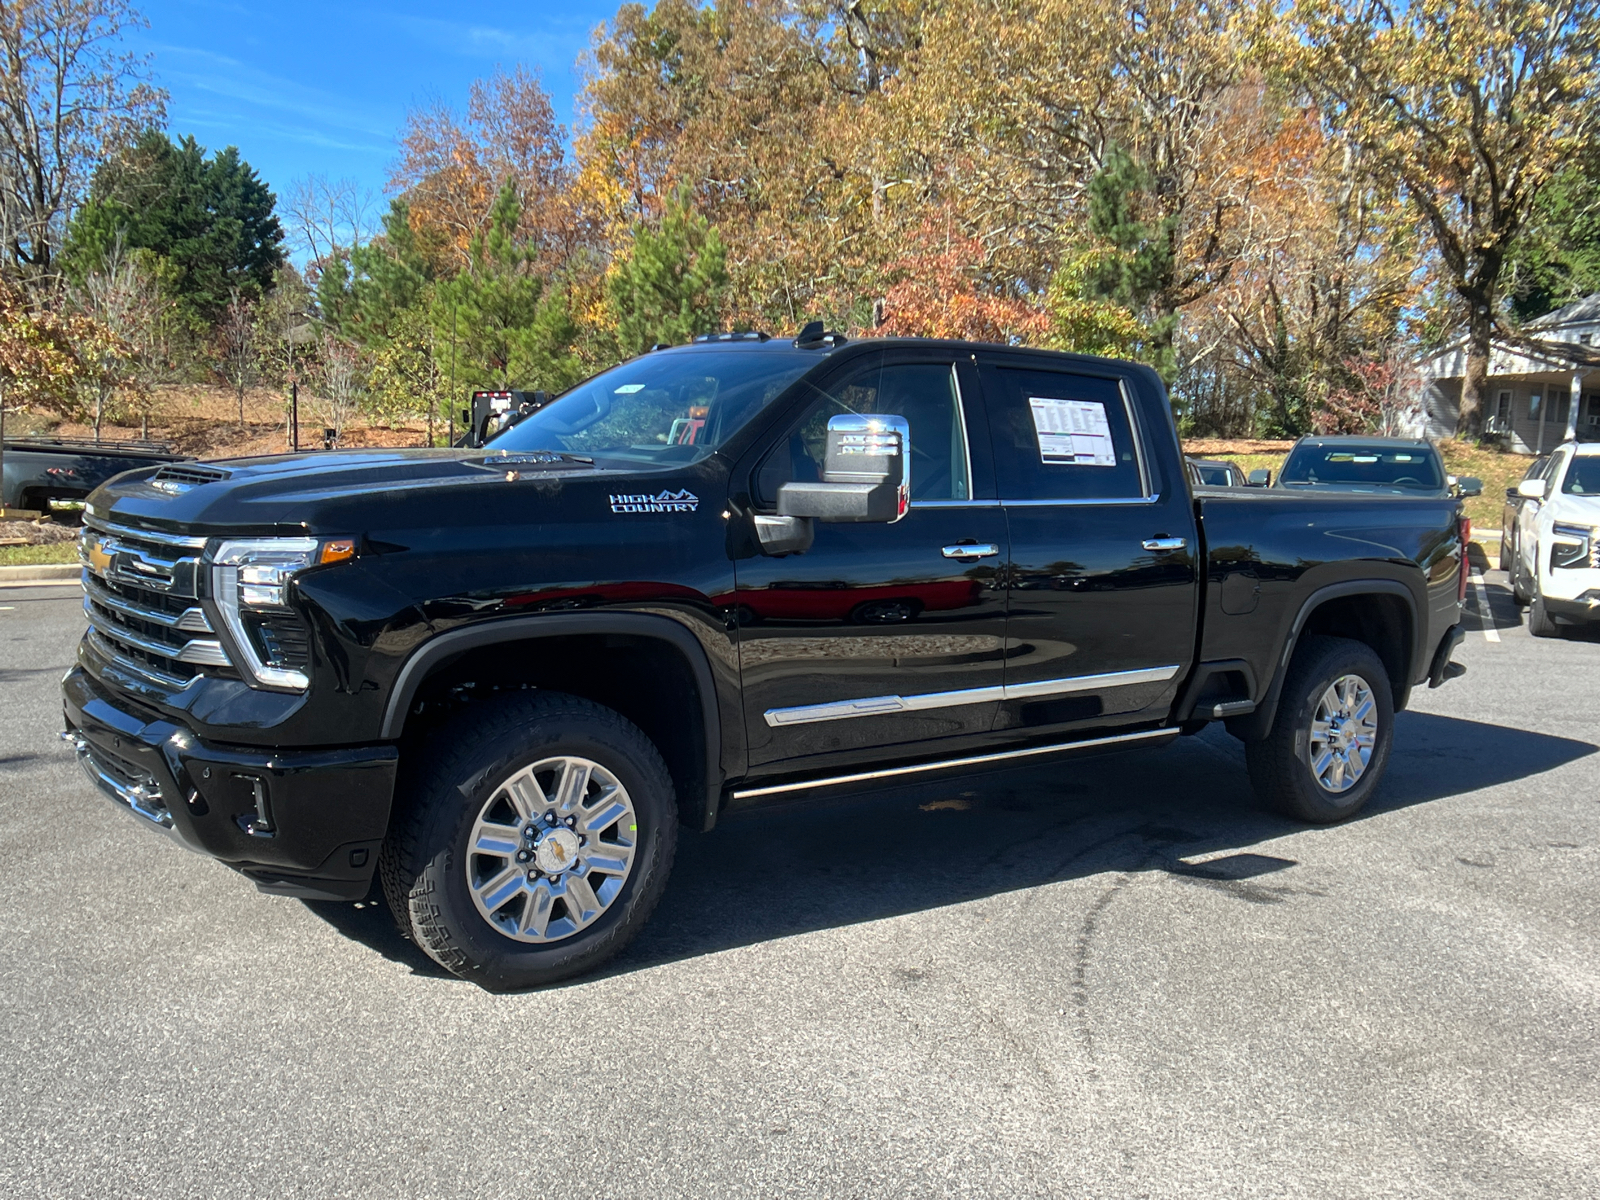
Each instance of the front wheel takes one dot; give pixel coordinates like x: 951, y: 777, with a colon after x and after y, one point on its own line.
x: 1539, y: 622
x: 1519, y: 582
x: 534, y: 843
x: 1330, y: 738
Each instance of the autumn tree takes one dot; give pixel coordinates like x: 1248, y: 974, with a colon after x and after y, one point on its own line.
x: 1473, y: 106
x: 125, y: 300
x: 407, y: 377
x: 453, y: 165
x: 70, y: 96
x: 238, y: 347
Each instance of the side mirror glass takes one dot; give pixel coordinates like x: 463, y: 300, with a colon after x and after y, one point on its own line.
x: 1260, y: 477
x: 1470, y: 485
x: 1531, y: 489
x: 866, y: 474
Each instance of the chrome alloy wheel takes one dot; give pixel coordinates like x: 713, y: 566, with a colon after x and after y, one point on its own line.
x: 1344, y: 732
x: 551, y: 849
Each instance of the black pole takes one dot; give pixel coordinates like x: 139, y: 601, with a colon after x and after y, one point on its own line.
x: 294, y: 402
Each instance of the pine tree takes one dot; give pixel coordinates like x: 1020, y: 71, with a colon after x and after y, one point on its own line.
x: 671, y: 282
x: 505, y: 331
x: 211, y: 218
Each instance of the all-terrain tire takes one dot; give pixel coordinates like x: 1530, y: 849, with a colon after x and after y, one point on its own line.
x: 1280, y: 764
x: 424, y: 862
x: 1539, y: 623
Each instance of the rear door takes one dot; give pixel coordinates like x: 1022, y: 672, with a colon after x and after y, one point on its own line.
x: 879, y: 634
x: 1102, y: 581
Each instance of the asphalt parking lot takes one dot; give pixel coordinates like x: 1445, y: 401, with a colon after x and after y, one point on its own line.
x: 1107, y: 977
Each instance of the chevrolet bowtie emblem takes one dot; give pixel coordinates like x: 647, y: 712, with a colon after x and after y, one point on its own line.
x: 99, y: 557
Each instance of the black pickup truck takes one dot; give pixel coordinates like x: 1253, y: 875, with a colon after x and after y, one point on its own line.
x: 44, y: 474
x: 719, y: 574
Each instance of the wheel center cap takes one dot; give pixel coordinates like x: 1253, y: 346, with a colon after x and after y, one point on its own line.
x: 556, y: 852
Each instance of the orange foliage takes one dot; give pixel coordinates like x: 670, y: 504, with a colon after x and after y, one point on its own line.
x: 943, y: 292
x: 451, y: 168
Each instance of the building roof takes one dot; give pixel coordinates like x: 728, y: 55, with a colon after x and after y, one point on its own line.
x: 1579, y: 312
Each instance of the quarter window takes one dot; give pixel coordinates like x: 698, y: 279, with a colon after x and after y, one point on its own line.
x: 1061, y: 437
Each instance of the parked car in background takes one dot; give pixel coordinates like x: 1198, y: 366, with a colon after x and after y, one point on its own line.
x: 1213, y: 472
x: 1512, y: 511
x: 43, y: 474
x: 1556, y: 566
x: 1387, y: 466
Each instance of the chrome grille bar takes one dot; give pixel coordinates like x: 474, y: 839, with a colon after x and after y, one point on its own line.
x: 104, y: 648
x: 134, y: 534
x: 200, y: 651
x: 191, y: 620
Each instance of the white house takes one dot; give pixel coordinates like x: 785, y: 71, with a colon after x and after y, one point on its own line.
x: 1543, y: 389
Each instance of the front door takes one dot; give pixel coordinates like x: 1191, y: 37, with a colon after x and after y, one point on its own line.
x: 1102, y: 568
x: 879, y: 634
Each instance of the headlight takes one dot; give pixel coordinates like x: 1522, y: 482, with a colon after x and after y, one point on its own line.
x: 1576, y: 547
x: 250, y: 582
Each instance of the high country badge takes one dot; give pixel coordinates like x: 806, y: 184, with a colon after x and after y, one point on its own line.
x: 671, y: 502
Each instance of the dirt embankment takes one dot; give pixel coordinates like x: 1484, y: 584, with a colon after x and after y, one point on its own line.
x: 203, y: 420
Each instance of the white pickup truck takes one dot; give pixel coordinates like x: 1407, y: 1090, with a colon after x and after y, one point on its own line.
x: 1555, y: 559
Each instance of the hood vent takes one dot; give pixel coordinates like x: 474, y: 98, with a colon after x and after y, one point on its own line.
x: 180, y: 478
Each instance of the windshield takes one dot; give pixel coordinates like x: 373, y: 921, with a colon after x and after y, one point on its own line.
x: 1212, y: 476
x: 1583, y: 476
x: 1411, y: 468
x: 661, y: 408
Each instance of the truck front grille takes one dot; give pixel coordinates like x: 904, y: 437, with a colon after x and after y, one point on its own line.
x: 141, y: 598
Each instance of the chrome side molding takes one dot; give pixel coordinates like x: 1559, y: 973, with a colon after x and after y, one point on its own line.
x: 871, y: 706
x: 946, y: 764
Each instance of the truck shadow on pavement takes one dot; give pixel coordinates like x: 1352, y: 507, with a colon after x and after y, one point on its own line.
x: 851, y: 858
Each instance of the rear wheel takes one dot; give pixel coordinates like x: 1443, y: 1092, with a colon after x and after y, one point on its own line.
x: 1330, y: 739
x: 535, y: 842
x: 1508, y: 551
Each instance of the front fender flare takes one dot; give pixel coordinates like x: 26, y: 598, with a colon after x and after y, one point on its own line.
x: 438, y: 650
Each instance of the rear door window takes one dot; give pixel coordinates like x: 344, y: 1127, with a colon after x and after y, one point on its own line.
x: 1062, y: 436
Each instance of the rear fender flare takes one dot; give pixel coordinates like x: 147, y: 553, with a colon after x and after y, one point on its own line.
x: 1254, y: 726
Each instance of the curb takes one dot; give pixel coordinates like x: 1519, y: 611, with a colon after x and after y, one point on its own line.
x: 42, y: 575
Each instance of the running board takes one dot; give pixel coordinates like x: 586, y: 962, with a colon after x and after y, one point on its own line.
x: 946, y: 764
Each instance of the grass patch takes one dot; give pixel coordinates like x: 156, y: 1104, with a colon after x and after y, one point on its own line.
x: 27, y: 556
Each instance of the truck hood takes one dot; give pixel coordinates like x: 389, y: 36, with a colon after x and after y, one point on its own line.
x: 343, y: 490
x: 1581, y: 510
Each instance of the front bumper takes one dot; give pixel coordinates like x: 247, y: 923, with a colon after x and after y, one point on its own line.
x: 303, y: 823
x: 1580, y: 610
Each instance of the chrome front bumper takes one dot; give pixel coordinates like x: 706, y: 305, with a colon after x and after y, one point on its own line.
x: 140, y: 795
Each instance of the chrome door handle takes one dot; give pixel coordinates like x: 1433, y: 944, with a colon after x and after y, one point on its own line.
x: 984, y: 550
x: 1161, y: 545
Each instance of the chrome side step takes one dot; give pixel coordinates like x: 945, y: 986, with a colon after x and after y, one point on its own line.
x: 944, y: 764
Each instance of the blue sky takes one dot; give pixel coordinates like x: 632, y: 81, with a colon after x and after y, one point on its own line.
x: 322, y: 88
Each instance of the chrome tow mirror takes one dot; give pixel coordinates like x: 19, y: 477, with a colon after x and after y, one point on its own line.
x: 866, y: 473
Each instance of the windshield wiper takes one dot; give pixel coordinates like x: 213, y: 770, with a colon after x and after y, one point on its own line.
x: 535, y: 458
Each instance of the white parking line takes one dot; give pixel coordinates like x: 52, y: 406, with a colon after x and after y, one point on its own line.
x: 1485, y: 613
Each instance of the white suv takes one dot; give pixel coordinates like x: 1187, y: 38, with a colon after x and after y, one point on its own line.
x: 1556, y: 566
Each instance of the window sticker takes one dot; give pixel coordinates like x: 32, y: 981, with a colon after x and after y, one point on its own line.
x: 1073, y: 431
